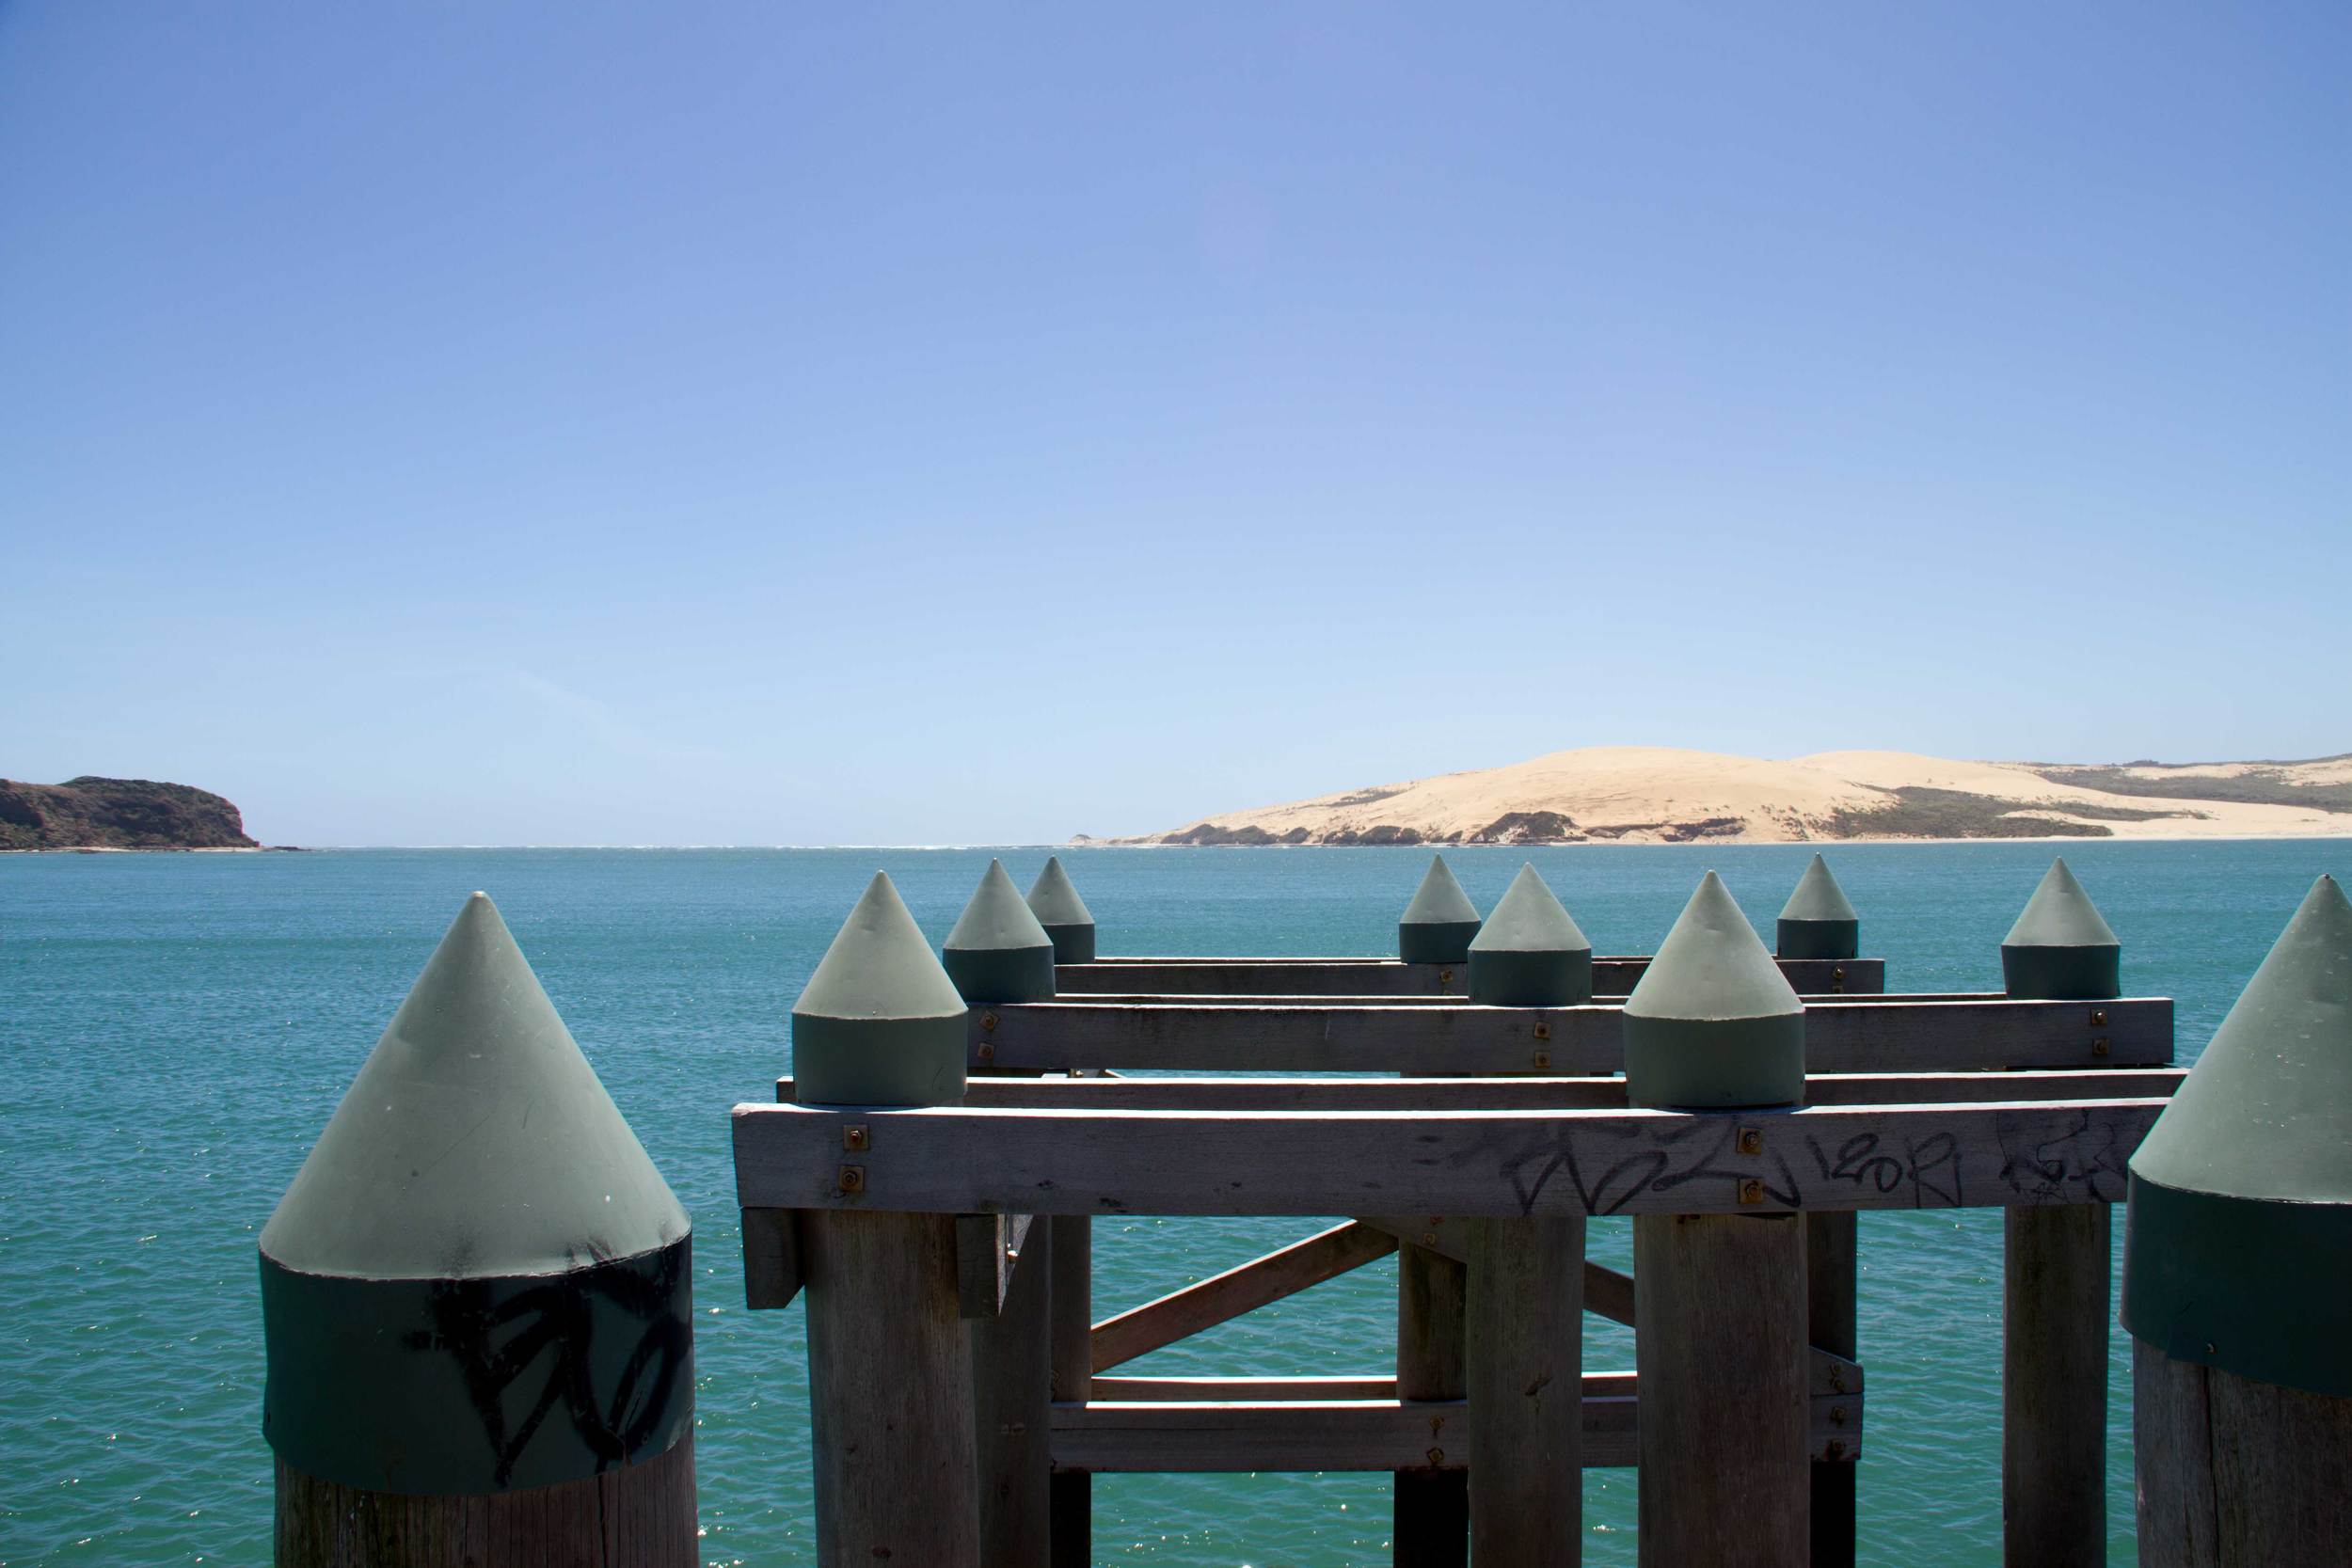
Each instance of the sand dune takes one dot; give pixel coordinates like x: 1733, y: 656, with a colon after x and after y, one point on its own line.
x: 1654, y: 795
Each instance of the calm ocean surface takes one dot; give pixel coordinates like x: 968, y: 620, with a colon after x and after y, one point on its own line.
x: 175, y: 1030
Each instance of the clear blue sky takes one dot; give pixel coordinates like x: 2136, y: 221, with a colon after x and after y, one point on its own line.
x: 796, y: 424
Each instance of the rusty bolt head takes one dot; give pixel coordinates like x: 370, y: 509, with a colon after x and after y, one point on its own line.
x: 1543, y: 1060
x: 1837, y: 973
x: 986, y: 1052
x: 1437, y: 1456
x: 852, y: 1179
x: 1837, y: 1415
x: 1445, y: 976
x: 988, y: 1020
x: 854, y: 1136
x: 2098, y: 1018
x: 1751, y: 1140
x: 1835, y: 1449
x: 2098, y: 1046
x: 1543, y: 1029
x: 1751, y: 1190
x: 1429, y: 1238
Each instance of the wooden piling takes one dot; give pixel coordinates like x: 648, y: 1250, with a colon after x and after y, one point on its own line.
x: 1719, y: 1349
x: 2056, y: 1282
x: 1523, y: 1374
x: 1071, y: 1310
x: 1012, y: 1411
x: 1832, y: 1298
x: 433, y: 1232
x: 1430, y: 1507
x: 2237, y: 1261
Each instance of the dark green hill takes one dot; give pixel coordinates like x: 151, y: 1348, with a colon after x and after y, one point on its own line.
x: 117, y: 813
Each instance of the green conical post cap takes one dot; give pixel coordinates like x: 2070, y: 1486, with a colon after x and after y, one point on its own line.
x: 1711, y: 1022
x: 998, y: 952
x: 1441, y: 921
x: 1816, y: 922
x: 476, y: 1191
x: 1529, y: 953
x: 879, y: 1024
x: 2237, y: 1248
x: 2060, y: 949
x: 1056, y: 903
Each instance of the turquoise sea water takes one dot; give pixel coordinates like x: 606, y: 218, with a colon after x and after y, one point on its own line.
x: 175, y: 1030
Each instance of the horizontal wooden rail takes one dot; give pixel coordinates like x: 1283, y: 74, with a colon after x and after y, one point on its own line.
x: 1223, y: 1297
x: 1864, y: 1035
x: 957, y: 1160
x: 1278, y: 999
x: 1189, y: 1427
x: 1615, y: 975
x: 1268, y: 1093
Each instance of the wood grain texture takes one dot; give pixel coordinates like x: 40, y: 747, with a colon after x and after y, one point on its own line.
x: 2054, y: 1387
x: 772, y: 1258
x: 1523, y: 1374
x: 1223, y: 1297
x: 1615, y: 975
x: 642, y: 1516
x: 1271, y: 1093
x: 1429, y: 1505
x: 1070, y: 1310
x: 1862, y: 1035
x: 1012, y: 1367
x: 1832, y: 1281
x: 1499, y: 1164
x: 987, y: 1251
x: 2234, y: 1473
x: 1720, y: 1354
x: 890, y: 1391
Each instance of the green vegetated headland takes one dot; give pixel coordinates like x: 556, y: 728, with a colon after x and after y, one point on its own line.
x: 118, y: 814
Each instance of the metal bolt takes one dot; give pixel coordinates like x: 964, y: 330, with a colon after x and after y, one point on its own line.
x: 1543, y: 1029
x: 1751, y: 1190
x: 1437, y: 1456
x: 853, y: 1137
x: 2098, y: 1046
x: 2098, y: 1018
x: 986, y: 1052
x: 852, y: 1179
x: 1837, y: 1415
x: 1445, y: 976
x: 1836, y: 1449
x: 1542, y: 1059
x: 1429, y: 1238
x: 1839, y: 974
x: 1751, y: 1140
x: 988, y: 1020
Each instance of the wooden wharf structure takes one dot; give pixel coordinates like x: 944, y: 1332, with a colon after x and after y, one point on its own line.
x: 926, y: 1179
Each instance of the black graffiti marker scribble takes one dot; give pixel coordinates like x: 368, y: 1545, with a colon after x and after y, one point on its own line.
x: 472, y: 1322
x: 1703, y: 1167
x: 1929, y: 1165
x: 2057, y: 1169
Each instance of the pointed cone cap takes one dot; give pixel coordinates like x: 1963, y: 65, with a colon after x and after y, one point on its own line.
x: 998, y: 952
x: 998, y: 918
x: 1529, y: 919
x: 1054, y: 898
x: 878, y: 966
x: 2060, y: 949
x: 476, y: 1141
x: 2238, y: 1253
x: 1817, y: 896
x: 1712, y: 1021
x: 1437, y: 925
x: 2059, y: 914
x: 475, y: 1186
x: 1816, y: 922
x: 881, y: 1023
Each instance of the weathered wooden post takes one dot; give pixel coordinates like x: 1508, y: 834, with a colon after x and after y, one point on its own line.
x: 1053, y: 899
x: 1430, y: 1508
x: 478, y: 1301
x: 2054, y: 1341
x: 889, y: 1360
x: 1437, y: 925
x: 1718, y: 1299
x: 2237, y: 1268
x: 1072, y: 1306
x: 1819, y: 923
x: 999, y: 952
x: 1529, y: 953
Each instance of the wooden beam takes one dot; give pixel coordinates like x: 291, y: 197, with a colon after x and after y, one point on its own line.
x: 1613, y: 974
x: 987, y: 1250
x: 1222, y: 1297
x: 771, y: 1257
x: 1269, y: 1093
x: 1171, y: 1435
x: 1864, y: 1035
x: 952, y: 1160
x: 1607, y: 1292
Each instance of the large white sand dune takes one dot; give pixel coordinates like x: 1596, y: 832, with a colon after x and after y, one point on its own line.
x: 1653, y: 794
